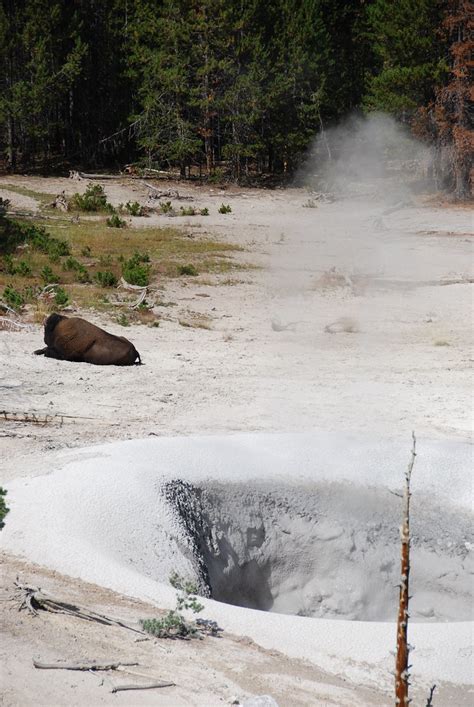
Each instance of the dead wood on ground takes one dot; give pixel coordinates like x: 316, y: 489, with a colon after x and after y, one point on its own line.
x: 34, y: 599
x: 151, y: 686
x: 80, y: 666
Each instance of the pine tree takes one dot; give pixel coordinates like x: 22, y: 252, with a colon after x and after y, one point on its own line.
x: 454, y: 126
x: 408, y: 54
x: 38, y: 70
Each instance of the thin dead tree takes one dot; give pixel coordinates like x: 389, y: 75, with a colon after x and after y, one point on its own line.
x: 401, y: 663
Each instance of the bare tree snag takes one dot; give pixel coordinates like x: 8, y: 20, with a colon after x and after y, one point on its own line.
x: 430, y: 698
x: 401, y: 663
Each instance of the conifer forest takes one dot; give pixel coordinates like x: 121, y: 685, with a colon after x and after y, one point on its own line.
x: 233, y: 88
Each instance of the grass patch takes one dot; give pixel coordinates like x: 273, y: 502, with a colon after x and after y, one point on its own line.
x: 115, y: 221
x: 43, y: 199
x: 37, y: 252
x: 188, y: 270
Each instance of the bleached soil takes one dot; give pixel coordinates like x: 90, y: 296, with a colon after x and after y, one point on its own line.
x: 378, y: 348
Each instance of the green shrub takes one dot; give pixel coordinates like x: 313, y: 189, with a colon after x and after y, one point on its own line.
x: 204, y: 212
x: 9, y: 265
x: 187, y: 270
x: 4, y: 204
x: 23, y: 269
x: 225, y: 209
x: 106, y: 278
x: 115, y: 221
x: 136, y: 275
x: 216, y: 177
x: 3, y: 507
x: 174, y: 624
x: 93, y: 199
x: 12, y: 234
x: 61, y: 298
x: 72, y: 264
x: 136, y: 270
x: 123, y: 320
x: 83, y: 275
x: 134, y: 208
x: 13, y: 298
x: 12, y: 267
x: 187, y: 210
x: 166, y: 207
x: 48, y: 276
x: 57, y: 248
x: 86, y: 251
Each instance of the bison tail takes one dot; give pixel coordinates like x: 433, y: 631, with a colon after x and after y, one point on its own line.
x: 139, y: 362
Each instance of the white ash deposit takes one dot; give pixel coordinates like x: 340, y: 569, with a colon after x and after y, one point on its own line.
x: 291, y: 524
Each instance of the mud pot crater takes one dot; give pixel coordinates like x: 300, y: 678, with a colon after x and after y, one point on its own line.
x: 309, y: 550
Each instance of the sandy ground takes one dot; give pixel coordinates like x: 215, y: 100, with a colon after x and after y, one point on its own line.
x: 382, y: 345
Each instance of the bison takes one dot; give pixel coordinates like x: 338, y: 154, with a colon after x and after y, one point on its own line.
x: 74, y: 339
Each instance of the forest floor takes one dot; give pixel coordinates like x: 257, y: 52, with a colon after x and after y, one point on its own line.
x: 352, y: 314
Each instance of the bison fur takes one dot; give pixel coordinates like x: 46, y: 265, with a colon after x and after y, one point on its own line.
x: 75, y: 339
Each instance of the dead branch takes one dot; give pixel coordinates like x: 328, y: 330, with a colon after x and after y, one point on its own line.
x: 132, y: 305
x: 401, y: 662
x: 457, y: 281
x: 166, y: 193
x: 34, y: 599
x: 79, y: 666
x: 31, y: 417
x: 142, y: 293
x: 127, y: 286
x: 60, y: 202
x: 151, y: 686
x: 430, y: 698
x: 7, y: 308
x: 7, y: 324
x: 162, y: 173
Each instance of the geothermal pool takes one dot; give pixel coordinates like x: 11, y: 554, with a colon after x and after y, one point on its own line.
x: 293, y: 539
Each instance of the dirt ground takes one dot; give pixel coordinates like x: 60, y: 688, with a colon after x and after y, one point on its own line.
x: 209, y: 672
x: 358, y: 317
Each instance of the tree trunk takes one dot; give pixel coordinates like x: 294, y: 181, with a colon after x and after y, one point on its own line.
x: 11, y: 151
x: 461, y: 176
x: 401, y: 662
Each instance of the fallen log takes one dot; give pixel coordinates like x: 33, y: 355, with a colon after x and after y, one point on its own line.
x: 74, y: 174
x: 127, y: 286
x: 166, y: 193
x: 151, y: 686
x: 80, y: 666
